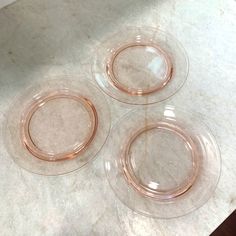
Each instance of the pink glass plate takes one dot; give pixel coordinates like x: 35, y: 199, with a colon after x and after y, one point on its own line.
x: 140, y: 65
x: 164, y: 163
x: 57, y: 126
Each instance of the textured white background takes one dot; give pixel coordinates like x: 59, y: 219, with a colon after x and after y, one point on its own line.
x: 43, y: 38
x: 4, y: 3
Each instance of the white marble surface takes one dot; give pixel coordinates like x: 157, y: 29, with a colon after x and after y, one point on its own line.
x: 4, y: 3
x: 43, y: 38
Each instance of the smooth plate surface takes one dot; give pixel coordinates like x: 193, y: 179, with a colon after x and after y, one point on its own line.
x: 57, y: 126
x: 165, y: 163
x: 34, y: 44
x: 140, y: 65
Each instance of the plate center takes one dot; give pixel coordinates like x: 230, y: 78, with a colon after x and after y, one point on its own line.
x: 161, y: 160
x: 60, y: 125
x: 140, y: 67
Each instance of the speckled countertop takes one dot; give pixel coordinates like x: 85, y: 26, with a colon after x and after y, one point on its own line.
x: 44, y: 38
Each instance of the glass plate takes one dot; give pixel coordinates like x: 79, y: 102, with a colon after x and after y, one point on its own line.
x: 164, y: 163
x: 140, y: 65
x: 57, y: 126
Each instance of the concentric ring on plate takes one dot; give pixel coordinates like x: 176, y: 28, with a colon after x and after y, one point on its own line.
x: 36, y: 151
x: 57, y: 126
x: 164, y: 163
x: 139, y: 91
x: 140, y: 65
x: 129, y: 172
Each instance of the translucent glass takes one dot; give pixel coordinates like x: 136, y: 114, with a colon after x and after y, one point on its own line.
x: 140, y: 65
x: 57, y: 126
x: 164, y: 162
